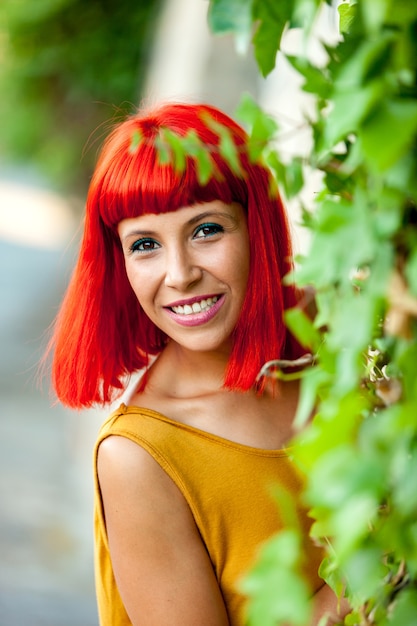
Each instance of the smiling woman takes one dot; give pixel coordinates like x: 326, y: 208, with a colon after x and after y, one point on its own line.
x: 188, y: 273
x: 183, y: 281
x: 131, y: 181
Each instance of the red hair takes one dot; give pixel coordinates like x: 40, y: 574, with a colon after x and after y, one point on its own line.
x: 101, y: 333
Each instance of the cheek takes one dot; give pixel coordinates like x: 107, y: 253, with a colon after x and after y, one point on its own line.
x: 242, y: 264
x: 140, y: 282
x: 130, y: 276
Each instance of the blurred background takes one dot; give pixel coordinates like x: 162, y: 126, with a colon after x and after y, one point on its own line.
x: 68, y: 70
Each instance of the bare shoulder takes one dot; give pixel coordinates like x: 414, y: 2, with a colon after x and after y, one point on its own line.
x: 120, y: 458
x: 161, y: 567
x: 137, y: 493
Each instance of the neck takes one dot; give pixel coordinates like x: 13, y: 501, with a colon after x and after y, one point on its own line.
x: 184, y: 373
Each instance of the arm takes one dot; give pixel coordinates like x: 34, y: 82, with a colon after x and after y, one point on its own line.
x: 162, y: 569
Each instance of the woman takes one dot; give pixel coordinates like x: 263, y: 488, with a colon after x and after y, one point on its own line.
x: 183, y: 281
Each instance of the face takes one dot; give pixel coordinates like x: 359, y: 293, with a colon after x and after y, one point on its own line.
x: 189, y: 271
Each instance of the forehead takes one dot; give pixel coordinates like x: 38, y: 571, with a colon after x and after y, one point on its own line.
x: 184, y: 216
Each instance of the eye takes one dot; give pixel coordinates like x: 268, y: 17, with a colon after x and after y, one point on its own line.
x: 207, y: 230
x: 144, y: 245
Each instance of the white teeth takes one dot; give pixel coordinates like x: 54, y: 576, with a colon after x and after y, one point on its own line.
x: 196, y: 307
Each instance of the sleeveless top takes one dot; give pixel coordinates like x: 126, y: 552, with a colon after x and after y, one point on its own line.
x: 228, y: 487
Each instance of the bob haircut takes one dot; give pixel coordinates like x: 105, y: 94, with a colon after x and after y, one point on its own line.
x: 101, y: 334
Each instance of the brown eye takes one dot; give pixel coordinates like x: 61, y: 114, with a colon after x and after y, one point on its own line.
x: 144, y: 245
x: 207, y: 230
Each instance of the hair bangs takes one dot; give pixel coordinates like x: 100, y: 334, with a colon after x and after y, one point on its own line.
x: 132, y: 180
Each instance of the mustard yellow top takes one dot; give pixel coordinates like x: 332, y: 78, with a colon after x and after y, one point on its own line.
x: 228, y: 488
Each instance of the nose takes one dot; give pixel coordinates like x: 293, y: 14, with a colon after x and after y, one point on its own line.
x: 181, y: 269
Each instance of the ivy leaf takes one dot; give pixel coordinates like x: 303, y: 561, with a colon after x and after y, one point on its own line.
x: 277, y: 569
x: 163, y: 150
x: 402, y: 13
x: 411, y: 272
x: 290, y: 176
x: 248, y: 111
x: 311, y: 382
x: 171, y: 146
x: 294, y: 177
x: 227, y: 146
x: 135, y: 141
x: 396, y: 119
x: 365, y: 570
x: 200, y: 152
x: 367, y: 62
x: 374, y: 14
x: 205, y: 167
x: 347, y: 14
x: 303, y: 328
x: 232, y: 16
x: 349, y: 109
x: 261, y: 127
x: 405, y: 609
x: 271, y: 17
x: 316, y: 80
x: 229, y: 151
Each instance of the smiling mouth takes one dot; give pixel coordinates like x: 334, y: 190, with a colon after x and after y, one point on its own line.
x: 195, y: 307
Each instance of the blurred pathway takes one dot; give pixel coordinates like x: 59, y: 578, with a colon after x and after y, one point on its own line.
x: 46, y: 549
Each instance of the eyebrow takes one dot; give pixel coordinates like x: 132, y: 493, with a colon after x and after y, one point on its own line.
x: 190, y: 222
x: 206, y: 214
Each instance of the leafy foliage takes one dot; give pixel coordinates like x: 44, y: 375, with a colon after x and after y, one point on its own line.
x: 360, y: 449
x: 68, y: 66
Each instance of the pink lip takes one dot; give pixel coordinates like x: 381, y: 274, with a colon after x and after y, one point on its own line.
x: 195, y: 319
x: 190, y: 301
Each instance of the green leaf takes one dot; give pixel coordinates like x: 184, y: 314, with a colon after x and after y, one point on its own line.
x: 334, y: 424
x: 365, y: 571
x: 316, y: 79
x: 176, y: 151
x: 404, y: 473
x: 261, y: 126
x: 351, y: 522
x: 396, y: 119
x: 411, y: 272
x: 303, y: 328
x: 163, y: 149
x: 276, y: 591
x: 290, y: 176
x: 227, y: 146
x: 205, y: 165
x: 348, y: 476
x: 402, y: 12
x: 229, y: 151
x: 374, y: 13
x: 271, y: 17
x: 311, y: 383
x: 330, y: 261
x: 388, y: 221
x: 347, y: 14
x: 349, y: 109
x: 134, y: 144
x: 232, y: 16
x: 294, y: 177
x: 368, y: 61
x: 404, y: 609
x: 248, y: 111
